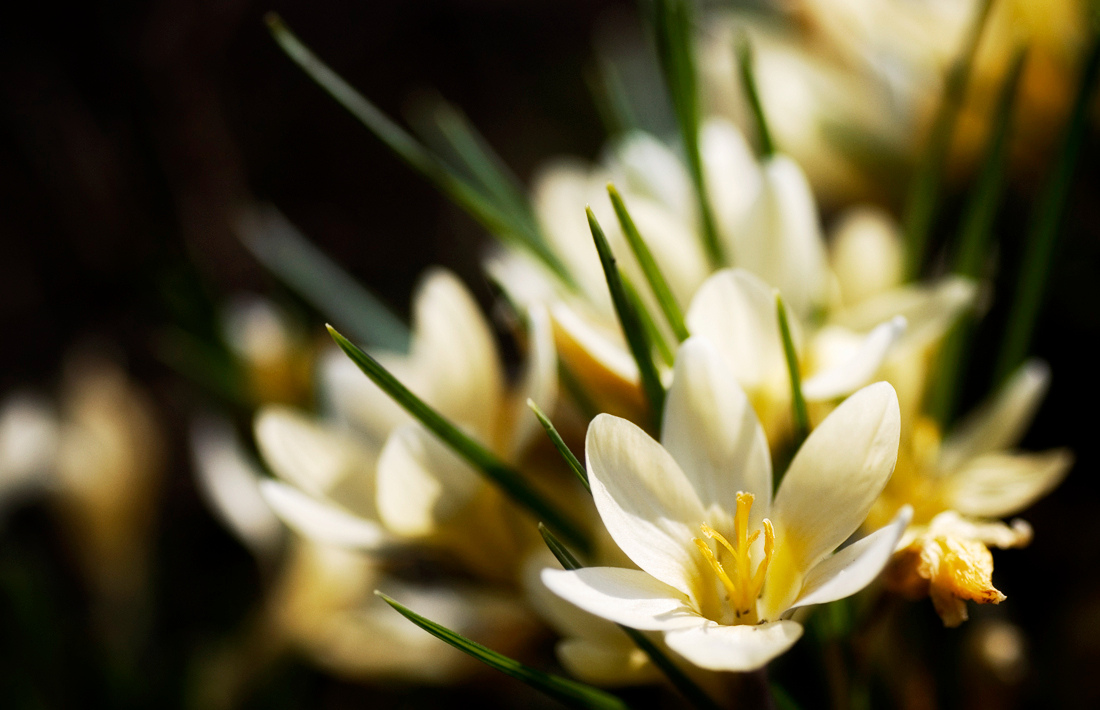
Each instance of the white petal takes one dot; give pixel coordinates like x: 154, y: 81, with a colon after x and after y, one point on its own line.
x: 454, y: 350
x: 1001, y: 422
x: 733, y: 176
x: 780, y: 240
x: 560, y: 192
x: 526, y: 281
x: 866, y: 253
x: 582, y: 335
x: 837, y: 474
x: 996, y: 485
x: 734, y: 648
x: 421, y: 483
x: 992, y: 533
x: 735, y: 310
x: 845, y: 378
x: 712, y: 432
x: 646, y: 503
x: 314, y: 457
x: 539, y: 381
x: 321, y: 521
x: 648, y: 168
x: 626, y: 596
x: 674, y: 246
x: 854, y: 567
x: 230, y: 483
x: 930, y: 310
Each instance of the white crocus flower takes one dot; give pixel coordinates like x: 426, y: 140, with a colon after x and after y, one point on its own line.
x: 961, y: 488
x: 386, y: 478
x: 721, y: 563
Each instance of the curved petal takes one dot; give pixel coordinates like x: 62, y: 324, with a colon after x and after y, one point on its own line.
x: 646, y: 503
x: 1001, y: 422
x: 321, y: 521
x: 837, y: 475
x: 559, y: 193
x: 229, y: 481
x: 421, y: 483
x: 930, y: 310
x: 858, y: 369
x: 866, y: 253
x: 780, y: 239
x: 316, y: 458
x: 733, y: 176
x: 712, y: 432
x: 996, y: 485
x: 454, y: 350
x: 650, y: 169
x: 626, y: 596
x: 734, y: 648
x: 735, y: 310
x: 854, y: 567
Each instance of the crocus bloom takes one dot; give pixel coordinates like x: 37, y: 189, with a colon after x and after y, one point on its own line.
x: 721, y: 563
x: 960, y: 488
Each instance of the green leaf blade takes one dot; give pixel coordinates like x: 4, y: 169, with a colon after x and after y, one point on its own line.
x: 922, y: 202
x: 798, y: 401
x: 675, y: 48
x: 567, y: 691
x: 555, y: 438
x: 747, y: 67
x: 637, y: 337
x: 1046, y: 226
x: 657, y: 282
x: 484, y: 461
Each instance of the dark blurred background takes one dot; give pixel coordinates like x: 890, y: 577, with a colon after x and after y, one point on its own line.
x: 130, y: 131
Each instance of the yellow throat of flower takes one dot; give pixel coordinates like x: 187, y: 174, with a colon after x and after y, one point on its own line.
x: 743, y: 585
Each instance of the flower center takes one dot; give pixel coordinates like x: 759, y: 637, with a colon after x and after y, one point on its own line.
x: 733, y: 564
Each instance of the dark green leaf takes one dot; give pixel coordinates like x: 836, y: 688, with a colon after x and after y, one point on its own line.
x: 469, y: 195
x: 675, y: 48
x: 574, y: 464
x: 279, y: 246
x: 1046, y: 227
x: 673, y: 314
x: 636, y: 336
x: 922, y: 202
x: 798, y: 402
x: 974, y: 239
x: 752, y: 96
x: 567, y: 691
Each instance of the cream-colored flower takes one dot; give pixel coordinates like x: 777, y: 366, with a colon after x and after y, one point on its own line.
x: 721, y: 563
x: 960, y: 487
x: 385, y: 476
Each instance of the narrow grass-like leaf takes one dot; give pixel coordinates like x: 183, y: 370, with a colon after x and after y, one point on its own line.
x: 746, y: 65
x: 652, y: 330
x: 474, y: 154
x: 922, y: 202
x: 674, y: 35
x: 570, y: 692
x: 559, y: 444
x: 498, y: 219
x: 974, y: 239
x: 481, y: 459
x: 633, y: 329
x: 279, y: 246
x: 610, y: 97
x: 669, y: 306
x: 798, y: 402
x: 680, y: 680
x: 1046, y: 226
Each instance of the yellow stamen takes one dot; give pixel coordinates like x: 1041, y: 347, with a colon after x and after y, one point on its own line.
x: 744, y: 587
